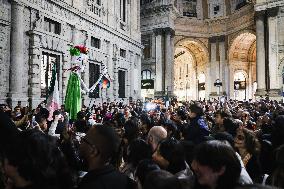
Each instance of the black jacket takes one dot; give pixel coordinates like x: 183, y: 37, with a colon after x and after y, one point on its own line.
x: 106, y: 178
x: 197, y: 130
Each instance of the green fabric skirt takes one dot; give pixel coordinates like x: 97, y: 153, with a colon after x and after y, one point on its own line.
x: 73, y: 98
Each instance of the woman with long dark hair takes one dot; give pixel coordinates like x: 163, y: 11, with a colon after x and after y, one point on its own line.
x: 215, y: 165
x: 248, y: 146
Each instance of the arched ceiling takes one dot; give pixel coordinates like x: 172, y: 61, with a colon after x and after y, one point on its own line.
x: 243, y: 48
x: 198, y: 52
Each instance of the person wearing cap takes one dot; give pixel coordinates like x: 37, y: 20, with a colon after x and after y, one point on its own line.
x: 198, y: 128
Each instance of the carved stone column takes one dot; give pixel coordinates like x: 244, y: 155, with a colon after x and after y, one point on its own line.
x: 110, y: 69
x: 169, y: 64
x: 214, y: 67
x: 260, y: 55
x: 222, y: 55
x: 227, y: 80
x: 153, y: 45
x: 131, y: 76
x: 137, y: 87
x: 34, y: 71
x: 115, y: 72
x: 66, y: 64
x: 17, y: 53
x: 274, y: 91
x: 159, y: 62
x: 208, y: 81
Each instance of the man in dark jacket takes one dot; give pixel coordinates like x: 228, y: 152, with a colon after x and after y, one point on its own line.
x: 198, y: 128
x: 98, y: 148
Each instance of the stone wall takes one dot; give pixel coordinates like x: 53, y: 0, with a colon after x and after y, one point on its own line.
x: 78, y: 25
x: 4, y: 47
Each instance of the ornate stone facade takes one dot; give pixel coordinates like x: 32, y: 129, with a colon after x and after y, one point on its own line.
x: 224, y: 38
x: 40, y: 27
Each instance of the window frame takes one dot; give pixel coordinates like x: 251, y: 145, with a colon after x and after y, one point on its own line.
x: 44, y: 92
x: 122, y: 53
x: 93, y: 77
x: 96, y: 40
x: 123, y: 7
x: 187, y: 13
x: 148, y: 73
x: 121, y: 84
x: 48, y: 23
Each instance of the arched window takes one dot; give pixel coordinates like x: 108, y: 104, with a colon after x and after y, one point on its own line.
x: 146, y: 74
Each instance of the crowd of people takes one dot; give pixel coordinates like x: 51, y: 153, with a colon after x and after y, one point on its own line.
x: 181, y: 145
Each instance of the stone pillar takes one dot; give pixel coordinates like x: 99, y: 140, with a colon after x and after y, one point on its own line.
x: 115, y: 72
x: 214, y: 68
x: 227, y: 80
x: 274, y: 91
x: 250, y: 82
x: 159, y: 63
x: 34, y: 71
x: 137, y: 87
x: 66, y: 64
x: 153, y: 46
x: 129, y: 76
x: 110, y: 69
x: 260, y: 55
x: 169, y: 56
x: 132, y: 80
x: 199, y: 9
x: 17, y: 54
x: 231, y: 81
x: 222, y: 55
x: 194, y: 81
x: 208, y: 81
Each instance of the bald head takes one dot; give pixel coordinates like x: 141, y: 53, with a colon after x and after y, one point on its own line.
x: 155, y: 135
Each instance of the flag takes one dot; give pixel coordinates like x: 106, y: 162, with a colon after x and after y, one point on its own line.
x: 52, y: 102
x: 104, y: 83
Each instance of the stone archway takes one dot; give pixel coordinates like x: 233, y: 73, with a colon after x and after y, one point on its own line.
x: 190, y: 60
x: 242, y: 58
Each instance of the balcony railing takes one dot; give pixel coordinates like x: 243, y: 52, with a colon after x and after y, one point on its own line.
x: 95, y: 8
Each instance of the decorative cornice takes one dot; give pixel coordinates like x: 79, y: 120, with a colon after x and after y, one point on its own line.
x: 162, y: 31
x: 268, y: 4
x: 145, y: 12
